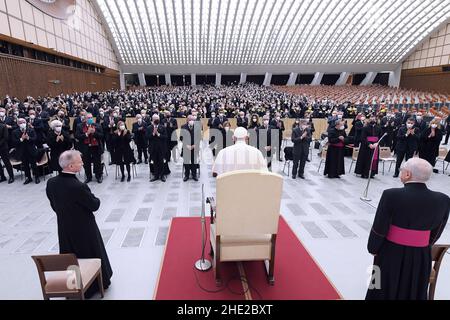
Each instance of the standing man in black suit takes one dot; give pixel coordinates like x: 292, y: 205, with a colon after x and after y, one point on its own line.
x: 264, y: 133
x: 37, y: 124
x: 89, y: 135
x: 24, y: 139
x: 139, y: 130
x: 4, y: 154
x: 407, y: 223
x: 407, y: 143
x: 157, y: 145
x: 301, y: 137
x: 171, y: 126
x: 74, y: 204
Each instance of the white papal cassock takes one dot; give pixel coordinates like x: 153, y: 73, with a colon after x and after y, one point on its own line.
x: 239, y: 156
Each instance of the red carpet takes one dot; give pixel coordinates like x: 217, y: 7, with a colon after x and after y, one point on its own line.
x: 297, y: 276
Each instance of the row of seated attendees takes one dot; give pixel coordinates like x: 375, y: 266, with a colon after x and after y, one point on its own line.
x: 33, y: 126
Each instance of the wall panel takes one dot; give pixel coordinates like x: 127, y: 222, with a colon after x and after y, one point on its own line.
x: 23, y: 77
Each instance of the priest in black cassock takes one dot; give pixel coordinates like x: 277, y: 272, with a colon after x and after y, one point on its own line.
x: 407, y: 223
x: 430, y: 139
x: 370, y: 135
x: 334, y: 164
x: 74, y: 204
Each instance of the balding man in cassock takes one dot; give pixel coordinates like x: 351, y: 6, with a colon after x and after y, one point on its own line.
x: 407, y: 223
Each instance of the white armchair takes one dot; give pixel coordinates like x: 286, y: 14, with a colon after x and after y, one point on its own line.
x: 246, y: 222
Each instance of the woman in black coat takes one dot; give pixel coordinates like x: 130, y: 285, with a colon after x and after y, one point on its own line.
x: 123, y: 154
x: 429, y: 145
x: 59, y: 141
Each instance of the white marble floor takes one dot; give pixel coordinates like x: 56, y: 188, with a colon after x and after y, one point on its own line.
x: 327, y: 215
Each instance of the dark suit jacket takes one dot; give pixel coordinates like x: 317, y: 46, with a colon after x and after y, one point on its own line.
x: 81, y: 136
x: 3, y: 138
x: 410, y: 143
x: 299, y: 143
x: 26, y: 148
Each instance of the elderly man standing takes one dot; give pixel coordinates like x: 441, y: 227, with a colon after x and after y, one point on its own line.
x: 74, y: 203
x: 24, y: 139
x: 239, y: 156
x: 408, y: 222
x: 157, y: 144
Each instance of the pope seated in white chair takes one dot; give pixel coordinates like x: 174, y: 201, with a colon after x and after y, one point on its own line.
x: 245, y: 225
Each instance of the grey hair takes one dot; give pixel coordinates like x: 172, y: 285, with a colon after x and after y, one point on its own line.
x: 67, y: 157
x: 55, y: 123
x: 420, y: 169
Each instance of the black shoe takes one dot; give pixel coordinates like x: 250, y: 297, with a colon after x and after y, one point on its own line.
x: 372, y: 176
x: 146, y: 161
x: 88, y: 180
x: 301, y: 176
x: 154, y: 179
x: 163, y: 178
x: 395, y: 175
x: 36, y: 180
x: 307, y: 160
x: 110, y: 163
x: 122, y: 179
x: 364, y: 177
x: 28, y: 180
x: 195, y: 178
x: 11, y: 180
x: 139, y: 161
x: 444, y: 144
x: 186, y: 178
x: 100, y: 179
x: 129, y: 179
x: 435, y: 170
x: 2, y: 179
x: 294, y: 177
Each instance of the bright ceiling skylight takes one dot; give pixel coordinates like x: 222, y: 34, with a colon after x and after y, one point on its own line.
x: 270, y: 32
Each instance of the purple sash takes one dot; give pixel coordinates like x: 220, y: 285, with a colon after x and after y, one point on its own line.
x: 408, y: 237
x: 374, y: 139
x: 337, y: 145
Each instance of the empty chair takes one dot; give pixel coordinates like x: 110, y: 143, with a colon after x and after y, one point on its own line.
x: 246, y: 224
x: 386, y: 156
x: 355, y: 153
x: 323, y: 157
x: 63, y: 275
x: 441, y: 157
x: 44, y: 164
x: 437, y: 254
x: 15, y: 162
x: 288, y: 158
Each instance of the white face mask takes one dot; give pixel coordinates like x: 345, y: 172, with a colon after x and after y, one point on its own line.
x: 227, y: 128
x: 266, y: 122
x: 339, y: 116
x: 213, y: 116
x: 434, y: 126
x: 341, y: 127
x: 122, y: 128
x: 191, y: 123
x: 409, y: 125
x: 115, y: 115
x: 2, y: 114
x: 22, y: 126
x: 419, y: 118
x: 139, y: 120
x: 32, y: 117
x: 102, y: 114
x: 58, y: 129
x: 278, y: 118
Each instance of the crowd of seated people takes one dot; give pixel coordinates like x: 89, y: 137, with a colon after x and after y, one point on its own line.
x: 31, y: 126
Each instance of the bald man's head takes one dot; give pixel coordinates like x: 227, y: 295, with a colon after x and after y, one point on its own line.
x: 416, y: 170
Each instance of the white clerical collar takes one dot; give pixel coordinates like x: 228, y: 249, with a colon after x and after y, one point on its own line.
x: 240, y: 142
x: 74, y: 173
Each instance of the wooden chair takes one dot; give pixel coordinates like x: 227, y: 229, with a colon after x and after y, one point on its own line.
x: 246, y: 224
x: 385, y: 155
x: 323, y: 157
x: 355, y: 154
x: 438, y: 252
x: 59, y: 275
x: 441, y: 157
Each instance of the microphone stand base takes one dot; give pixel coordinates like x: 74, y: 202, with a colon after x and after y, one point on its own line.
x: 203, y: 265
x: 365, y: 199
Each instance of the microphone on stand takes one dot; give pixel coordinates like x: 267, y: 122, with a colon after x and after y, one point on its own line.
x: 364, y: 196
x: 203, y: 264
